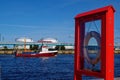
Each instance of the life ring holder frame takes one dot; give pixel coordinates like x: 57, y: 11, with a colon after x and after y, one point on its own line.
x: 89, y: 35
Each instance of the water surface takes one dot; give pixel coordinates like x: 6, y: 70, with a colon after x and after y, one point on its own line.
x: 55, y: 68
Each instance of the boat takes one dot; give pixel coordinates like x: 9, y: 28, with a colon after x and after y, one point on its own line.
x: 43, y: 52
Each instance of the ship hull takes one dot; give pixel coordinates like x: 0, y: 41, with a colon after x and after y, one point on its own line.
x: 43, y: 54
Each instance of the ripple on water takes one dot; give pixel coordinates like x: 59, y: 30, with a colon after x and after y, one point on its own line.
x: 56, y: 68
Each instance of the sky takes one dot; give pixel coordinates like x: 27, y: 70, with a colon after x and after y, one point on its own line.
x: 38, y: 19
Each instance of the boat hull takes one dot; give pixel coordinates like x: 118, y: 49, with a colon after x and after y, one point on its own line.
x: 52, y: 54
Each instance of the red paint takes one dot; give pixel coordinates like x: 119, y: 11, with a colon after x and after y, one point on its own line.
x: 106, y: 15
x: 37, y: 55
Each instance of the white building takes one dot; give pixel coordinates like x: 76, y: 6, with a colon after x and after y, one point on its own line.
x: 69, y: 47
x: 48, y: 40
x: 23, y: 39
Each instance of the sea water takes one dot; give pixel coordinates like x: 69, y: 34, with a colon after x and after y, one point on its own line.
x: 60, y: 67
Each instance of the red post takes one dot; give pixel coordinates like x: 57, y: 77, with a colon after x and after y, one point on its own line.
x: 79, y: 59
x: 108, y: 45
x: 106, y: 15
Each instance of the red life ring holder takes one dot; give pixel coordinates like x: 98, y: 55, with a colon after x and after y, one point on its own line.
x: 96, y: 35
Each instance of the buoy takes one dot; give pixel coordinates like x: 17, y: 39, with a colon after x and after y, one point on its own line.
x: 96, y: 35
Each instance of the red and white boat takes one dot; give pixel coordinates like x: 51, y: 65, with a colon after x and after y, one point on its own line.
x: 44, y: 52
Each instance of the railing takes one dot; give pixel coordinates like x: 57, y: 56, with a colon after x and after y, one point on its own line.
x: 35, y: 43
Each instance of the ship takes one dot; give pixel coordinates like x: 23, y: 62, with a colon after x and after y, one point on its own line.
x: 42, y: 52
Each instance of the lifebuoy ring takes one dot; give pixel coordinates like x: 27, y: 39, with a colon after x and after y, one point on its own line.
x: 96, y: 35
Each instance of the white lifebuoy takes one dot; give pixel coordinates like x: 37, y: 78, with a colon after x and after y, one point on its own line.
x: 96, y: 35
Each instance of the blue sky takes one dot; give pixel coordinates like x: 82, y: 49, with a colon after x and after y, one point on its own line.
x: 47, y: 18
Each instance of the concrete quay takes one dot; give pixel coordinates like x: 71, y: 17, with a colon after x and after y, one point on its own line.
x: 59, y: 51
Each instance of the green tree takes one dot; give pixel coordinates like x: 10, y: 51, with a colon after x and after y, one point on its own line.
x: 60, y: 47
x: 57, y: 47
x: 35, y: 47
x: 31, y: 47
x: 5, y: 49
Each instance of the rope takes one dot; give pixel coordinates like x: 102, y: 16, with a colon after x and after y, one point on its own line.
x: 96, y: 26
x: 89, y: 26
